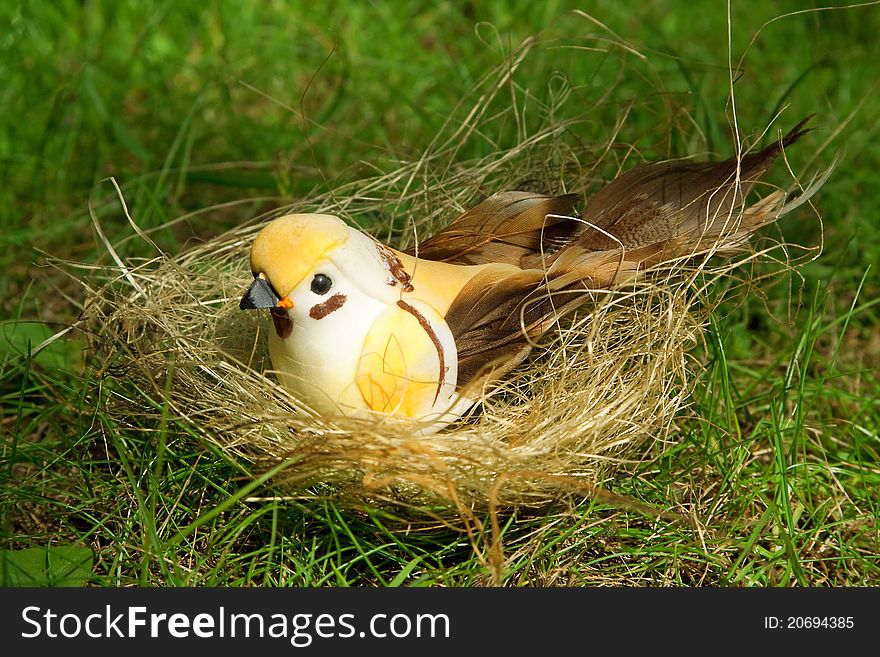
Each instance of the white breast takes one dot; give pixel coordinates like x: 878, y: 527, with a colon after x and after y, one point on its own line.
x: 318, y: 361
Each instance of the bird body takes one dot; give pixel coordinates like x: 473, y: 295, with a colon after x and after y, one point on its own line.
x: 361, y: 328
x: 372, y: 340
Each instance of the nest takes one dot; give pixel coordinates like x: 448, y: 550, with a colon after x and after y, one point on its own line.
x: 601, y: 389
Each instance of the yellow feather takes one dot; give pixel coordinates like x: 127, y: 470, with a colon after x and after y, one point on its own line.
x: 287, y: 249
x: 399, y: 368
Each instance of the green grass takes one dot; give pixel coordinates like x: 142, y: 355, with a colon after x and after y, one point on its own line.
x: 238, y: 107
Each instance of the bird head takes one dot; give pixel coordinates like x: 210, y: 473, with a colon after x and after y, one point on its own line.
x: 310, y: 264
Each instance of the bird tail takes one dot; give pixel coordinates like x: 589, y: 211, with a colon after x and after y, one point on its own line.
x: 651, y: 216
x: 684, y: 205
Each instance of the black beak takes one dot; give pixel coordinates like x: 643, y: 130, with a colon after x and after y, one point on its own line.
x: 259, y: 295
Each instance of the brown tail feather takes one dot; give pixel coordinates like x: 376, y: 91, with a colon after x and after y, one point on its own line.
x: 647, y: 216
x: 665, y: 200
x: 650, y: 204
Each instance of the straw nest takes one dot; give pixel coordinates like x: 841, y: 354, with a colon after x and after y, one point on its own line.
x: 601, y: 389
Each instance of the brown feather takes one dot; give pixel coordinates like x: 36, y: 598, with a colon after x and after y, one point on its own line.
x: 655, y: 213
x: 505, y: 227
x: 497, y: 315
x: 492, y: 318
x: 656, y: 202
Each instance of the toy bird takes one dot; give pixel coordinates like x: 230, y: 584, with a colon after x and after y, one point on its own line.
x: 361, y: 328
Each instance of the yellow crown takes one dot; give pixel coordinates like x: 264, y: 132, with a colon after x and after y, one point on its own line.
x: 286, y: 250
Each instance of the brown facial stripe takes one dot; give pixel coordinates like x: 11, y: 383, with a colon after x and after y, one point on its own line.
x: 433, y: 335
x: 321, y: 310
x: 395, y: 268
x: 283, y: 323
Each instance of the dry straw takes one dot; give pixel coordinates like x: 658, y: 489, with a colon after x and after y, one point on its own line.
x: 602, y: 389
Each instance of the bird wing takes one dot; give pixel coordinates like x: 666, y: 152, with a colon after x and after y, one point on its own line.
x: 497, y: 316
x: 649, y: 216
x: 504, y: 228
x: 408, y: 361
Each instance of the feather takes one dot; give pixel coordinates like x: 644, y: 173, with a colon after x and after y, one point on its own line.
x: 650, y: 215
x: 505, y: 227
x: 497, y: 315
x: 659, y: 201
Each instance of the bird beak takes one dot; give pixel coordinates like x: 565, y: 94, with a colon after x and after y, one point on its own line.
x: 259, y: 295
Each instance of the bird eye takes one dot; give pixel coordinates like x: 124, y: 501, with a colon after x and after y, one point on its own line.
x: 321, y: 284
